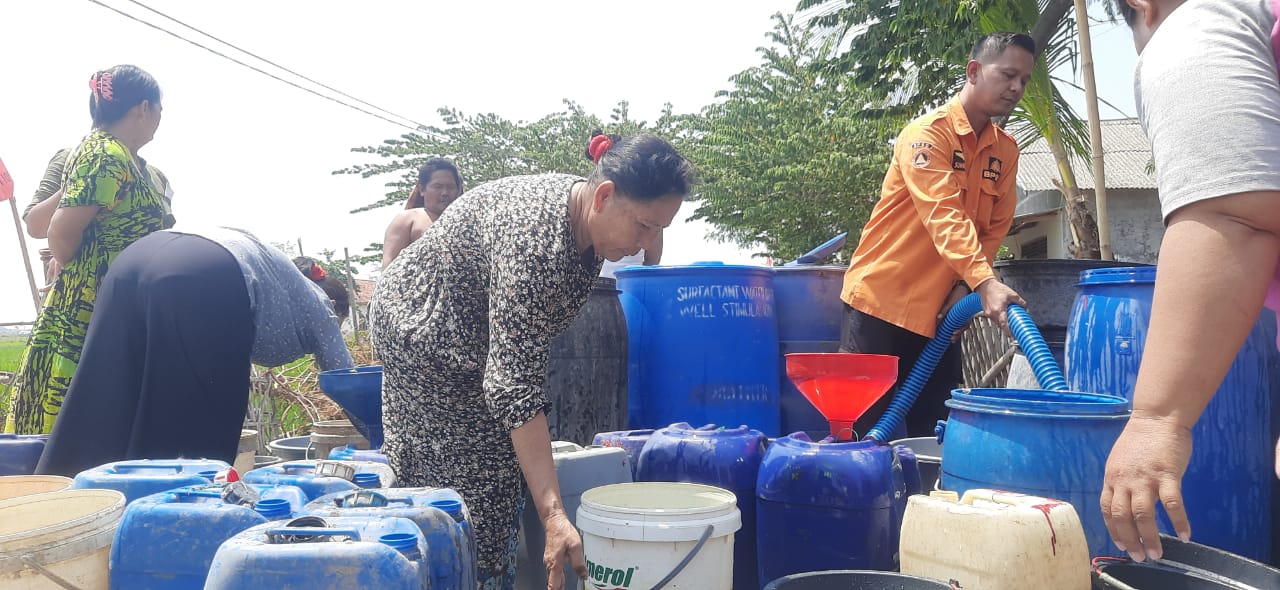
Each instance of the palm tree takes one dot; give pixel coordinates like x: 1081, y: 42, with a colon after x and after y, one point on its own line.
x: 914, y: 51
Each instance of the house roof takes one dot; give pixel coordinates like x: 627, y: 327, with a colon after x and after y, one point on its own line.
x: 364, y: 291
x: 1126, y: 157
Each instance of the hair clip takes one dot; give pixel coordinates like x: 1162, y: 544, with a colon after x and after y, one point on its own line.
x: 598, y: 146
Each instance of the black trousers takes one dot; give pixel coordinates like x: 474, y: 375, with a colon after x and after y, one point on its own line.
x: 871, y: 335
x: 165, y: 369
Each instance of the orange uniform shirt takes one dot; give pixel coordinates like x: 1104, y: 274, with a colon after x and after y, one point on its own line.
x: 946, y: 204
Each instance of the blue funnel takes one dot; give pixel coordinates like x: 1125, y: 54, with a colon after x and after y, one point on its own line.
x: 359, y: 392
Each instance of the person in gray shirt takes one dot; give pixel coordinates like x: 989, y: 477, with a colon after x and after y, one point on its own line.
x: 1208, y: 96
x: 179, y: 318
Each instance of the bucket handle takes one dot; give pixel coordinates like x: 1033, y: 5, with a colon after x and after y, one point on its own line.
x: 176, y: 467
x: 367, y: 499
x: 702, y: 540
x: 305, y: 534
x: 30, y: 562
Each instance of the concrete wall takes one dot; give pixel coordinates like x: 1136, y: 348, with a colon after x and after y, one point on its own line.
x: 1136, y: 227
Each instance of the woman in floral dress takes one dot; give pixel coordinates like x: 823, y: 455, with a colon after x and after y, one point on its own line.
x: 463, y: 318
x: 108, y: 202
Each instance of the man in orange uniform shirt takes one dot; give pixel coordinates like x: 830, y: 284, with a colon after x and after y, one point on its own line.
x: 946, y: 204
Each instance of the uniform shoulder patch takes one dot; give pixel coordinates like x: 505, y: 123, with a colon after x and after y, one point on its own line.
x: 920, y: 159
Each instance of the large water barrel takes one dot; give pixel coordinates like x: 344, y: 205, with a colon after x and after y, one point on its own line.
x: 440, y: 514
x: 324, y: 554
x: 1227, y: 487
x: 727, y: 458
x: 19, y: 453
x: 1052, y: 444
x: 166, y: 541
x: 1049, y: 286
x: 810, y: 313
x: 703, y: 345
x: 828, y: 506
x: 587, y: 370
x: 143, y: 477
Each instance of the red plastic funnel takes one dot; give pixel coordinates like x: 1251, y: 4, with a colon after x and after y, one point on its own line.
x: 841, y: 385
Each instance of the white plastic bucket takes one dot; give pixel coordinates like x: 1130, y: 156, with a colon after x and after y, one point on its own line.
x: 12, y: 486
x: 58, y: 539
x: 635, y: 535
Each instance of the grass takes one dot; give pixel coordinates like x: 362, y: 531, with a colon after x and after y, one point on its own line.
x: 11, y: 353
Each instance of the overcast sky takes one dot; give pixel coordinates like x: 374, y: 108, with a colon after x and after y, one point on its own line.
x: 242, y: 149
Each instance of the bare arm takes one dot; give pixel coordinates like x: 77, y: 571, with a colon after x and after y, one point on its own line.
x: 398, y: 235
x: 532, y: 442
x: 1216, y: 261
x: 66, y: 230
x: 653, y: 256
x: 40, y: 216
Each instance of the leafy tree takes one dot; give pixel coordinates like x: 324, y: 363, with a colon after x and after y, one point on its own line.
x: 487, y: 147
x: 792, y: 155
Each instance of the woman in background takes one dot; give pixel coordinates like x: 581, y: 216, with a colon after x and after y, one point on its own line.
x: 108, y: 202
x: 181, y: 316
x: 438, y: 185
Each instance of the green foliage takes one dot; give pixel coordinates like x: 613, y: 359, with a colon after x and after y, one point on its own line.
x: 487, y: 147
x: 792, y: 155
x: 913, y: 54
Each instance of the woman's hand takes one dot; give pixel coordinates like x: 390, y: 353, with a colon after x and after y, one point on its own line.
x: 1146, y: 465
x: 532, y: 442
x: 563, y: 546
x: 51, y: 275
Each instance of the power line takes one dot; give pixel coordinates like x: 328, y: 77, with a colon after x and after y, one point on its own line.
x: 256, y: 69
x: 267, y: 61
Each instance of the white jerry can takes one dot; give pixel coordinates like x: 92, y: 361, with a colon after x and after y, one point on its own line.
x: 993, y: 540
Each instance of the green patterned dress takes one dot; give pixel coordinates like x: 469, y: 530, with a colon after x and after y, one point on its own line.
x: 102, y: 172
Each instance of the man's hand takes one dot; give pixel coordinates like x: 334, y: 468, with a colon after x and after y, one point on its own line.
x: 996, y: 298
x: 958, y: 292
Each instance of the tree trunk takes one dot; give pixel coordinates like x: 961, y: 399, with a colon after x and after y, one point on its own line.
x: 1050, y: 18
x: 1084, y: 229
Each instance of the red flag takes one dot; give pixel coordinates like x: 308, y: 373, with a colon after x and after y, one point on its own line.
x: 6, y: 183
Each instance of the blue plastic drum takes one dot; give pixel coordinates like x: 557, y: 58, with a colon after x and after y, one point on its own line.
x: 1227, y: 487
x: 702, y: 345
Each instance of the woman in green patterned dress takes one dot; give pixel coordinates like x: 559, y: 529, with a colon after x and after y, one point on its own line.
x: 108, y: 202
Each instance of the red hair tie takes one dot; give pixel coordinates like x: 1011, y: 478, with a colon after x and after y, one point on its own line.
x: 598, y: 146
x: 317, y: 273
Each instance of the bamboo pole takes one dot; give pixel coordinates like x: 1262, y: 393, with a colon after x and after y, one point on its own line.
x: 26, y: 258
x: 1095, y: 131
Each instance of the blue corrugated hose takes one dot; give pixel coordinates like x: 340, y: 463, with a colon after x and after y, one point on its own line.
x: 1032, y: 343
x: 1024, y: 330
